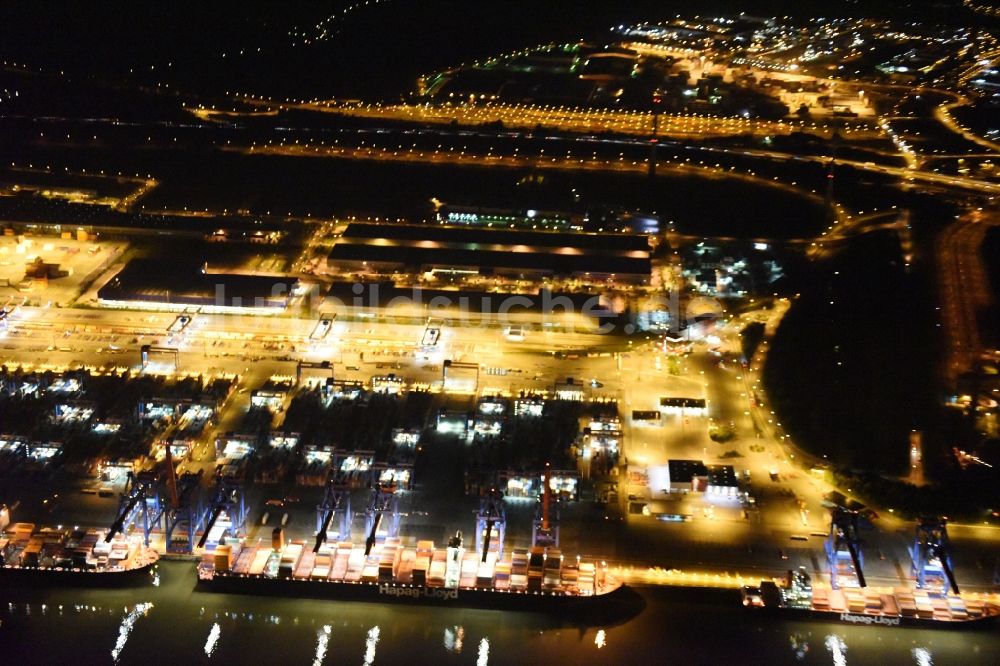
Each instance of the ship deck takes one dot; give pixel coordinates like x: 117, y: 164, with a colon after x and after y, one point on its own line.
x: 902, y: 602
x: 422, y: 565
x: 23, y: 546
x: 874, y: 605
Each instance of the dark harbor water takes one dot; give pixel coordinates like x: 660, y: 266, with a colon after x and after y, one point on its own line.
x: 172, y: 623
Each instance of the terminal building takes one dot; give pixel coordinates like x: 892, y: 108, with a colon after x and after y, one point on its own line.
x: 376, y: 249
x: 694, y: 476
x: 485, y: 216
x: 684, y: 406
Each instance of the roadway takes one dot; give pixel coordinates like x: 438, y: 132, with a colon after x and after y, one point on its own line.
x: 965, y: 288
x: 575, y: 162
x: 574, y: 119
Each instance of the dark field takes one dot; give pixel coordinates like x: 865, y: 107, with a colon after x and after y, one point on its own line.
x: 301, y: 186
x: 864, y: 344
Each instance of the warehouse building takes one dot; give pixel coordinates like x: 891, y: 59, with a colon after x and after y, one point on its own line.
x: 382, y: 249
x: 171, y: 285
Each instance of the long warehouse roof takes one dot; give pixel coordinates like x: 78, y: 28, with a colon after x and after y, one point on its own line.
x: 560, y: 253
x: 601, y: 242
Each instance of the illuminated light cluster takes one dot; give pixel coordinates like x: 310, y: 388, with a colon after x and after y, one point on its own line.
x: 528, y: 116
x: 576, y: 118
x: 326, y: 28
x: 979, y: 8
x: 760, y: 63
x: 499, y: 59
x: 573, y: 118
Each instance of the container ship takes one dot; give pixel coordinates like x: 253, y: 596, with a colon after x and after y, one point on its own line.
x: 538, y: 578
x: 383, y: 569
x: 53, y: 556
x: 796, y: 598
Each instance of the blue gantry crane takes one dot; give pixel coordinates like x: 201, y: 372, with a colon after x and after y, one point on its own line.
x: 491, y: 525
x: 226, y: 499
x: 382, y: 513
x: 140, y: 504
x: 336, y: 503
x: 186, y: 514
x: 843, y: 546
x: 931, y: 553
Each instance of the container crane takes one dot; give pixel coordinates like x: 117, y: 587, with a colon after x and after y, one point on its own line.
x: 491, y: 524
x: 186, y: 515
x: 140, y: 503
x: 227, y: 498
x: 843, y: 546
x: 383, y: 502
x: 931, y: 553
x: 336, y: 502
x: 544, y: 529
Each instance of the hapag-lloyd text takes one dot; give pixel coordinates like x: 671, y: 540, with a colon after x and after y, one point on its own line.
x: 418, y: 592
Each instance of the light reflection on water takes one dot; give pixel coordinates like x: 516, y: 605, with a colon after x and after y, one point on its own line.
x: 484, y: 653
x: 322, y: 640
x: 837, y: 648
x: 453, y: 639
x: 125, y: 630
x: 370, y: 642
x: 213, y: 639
x: 141, y: 626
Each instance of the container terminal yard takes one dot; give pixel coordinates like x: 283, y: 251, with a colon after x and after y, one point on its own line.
x: 223, y: 476
x: 201, y: 421
x: 485, y: 575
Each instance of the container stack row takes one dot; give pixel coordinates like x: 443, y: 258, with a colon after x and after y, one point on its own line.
x: 537, y: 570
